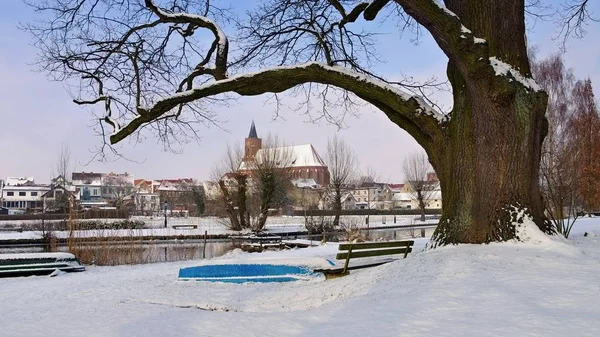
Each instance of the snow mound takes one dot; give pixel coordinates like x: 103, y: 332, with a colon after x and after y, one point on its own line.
x: 528, y: 232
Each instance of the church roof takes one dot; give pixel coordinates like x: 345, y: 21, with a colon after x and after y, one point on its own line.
x: 301, y: 156
x: 252, y: 133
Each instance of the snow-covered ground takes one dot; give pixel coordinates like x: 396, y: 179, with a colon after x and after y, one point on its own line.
x: 544, y: 287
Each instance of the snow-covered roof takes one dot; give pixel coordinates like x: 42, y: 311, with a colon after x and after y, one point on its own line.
x: 16, y: 181
x: 175, y: 184
x: 9, y: 188
x: 86, y: 178
x: 305, y: 183
x: 117, y: 179
x: 300, y: 156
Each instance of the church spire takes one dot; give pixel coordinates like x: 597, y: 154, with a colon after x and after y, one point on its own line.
x: 252, y: 131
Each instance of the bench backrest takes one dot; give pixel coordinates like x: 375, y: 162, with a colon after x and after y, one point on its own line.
x: 356, y: 250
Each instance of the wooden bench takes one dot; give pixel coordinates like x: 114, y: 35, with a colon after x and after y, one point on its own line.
x: 349, y: 251
x: 184, y: 226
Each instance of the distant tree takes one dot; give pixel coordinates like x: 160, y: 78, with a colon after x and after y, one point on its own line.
x: 118, y: 189
x: 270, y: 178
x: 342, y: 164
x: 63, y: 165
x: 569, y: 168
x: 585, y: 130
x: 233, y: 188
x: 416, y: 167
x: 193, y: 194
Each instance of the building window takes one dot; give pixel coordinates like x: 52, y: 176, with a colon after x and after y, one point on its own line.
x: 10, y: 194
x: 34, y: 194
x: 22, y: 194
x: 95, y: 192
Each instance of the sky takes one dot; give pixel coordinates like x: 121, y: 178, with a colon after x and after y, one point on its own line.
x: 37, y: 115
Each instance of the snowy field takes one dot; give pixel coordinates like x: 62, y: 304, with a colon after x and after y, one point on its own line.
x: 544, y: 287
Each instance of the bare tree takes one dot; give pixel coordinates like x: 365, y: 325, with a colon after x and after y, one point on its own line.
x: 584, y: 125
x: 63, y: 164
x: 270, y: 177
x: 60, y: 173
x: 151, y: 68
x: 118, y: 189
x: 342, y: 164
x: 416, y: 167
x: 233, y: 187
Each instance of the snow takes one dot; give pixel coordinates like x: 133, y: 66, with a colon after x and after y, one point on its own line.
x: 115, y: 124
x: 299, y: 156
x: 62, y: 256
x: 503, y: 69
x: 219, y: 34
x: 444, y: 8
x: 405, y: 96
x: 533, y: 288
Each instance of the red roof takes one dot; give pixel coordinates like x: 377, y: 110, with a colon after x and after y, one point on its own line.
x: 396, y: 186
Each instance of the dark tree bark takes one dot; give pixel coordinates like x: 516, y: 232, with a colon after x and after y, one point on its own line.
x: 489, y: 165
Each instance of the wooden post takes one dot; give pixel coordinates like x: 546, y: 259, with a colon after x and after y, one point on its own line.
x: 422, y: 232
x: 347, y: 261
x: 204, y: 246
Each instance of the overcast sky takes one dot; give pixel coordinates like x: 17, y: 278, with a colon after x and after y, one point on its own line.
x: 37, y: 115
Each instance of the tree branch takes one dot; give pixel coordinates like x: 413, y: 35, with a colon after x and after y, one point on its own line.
x: 415, y: 116
x: 446, y: 29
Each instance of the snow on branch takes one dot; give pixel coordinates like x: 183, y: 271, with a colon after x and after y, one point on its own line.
x: 504, y: 69
x: 396, y: 103
x: 194, y: 21
x: 444, y: 25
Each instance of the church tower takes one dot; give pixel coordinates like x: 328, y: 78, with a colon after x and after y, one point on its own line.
x: 252, y: 144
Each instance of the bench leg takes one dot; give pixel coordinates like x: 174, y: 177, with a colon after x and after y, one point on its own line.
x: 345, y: 271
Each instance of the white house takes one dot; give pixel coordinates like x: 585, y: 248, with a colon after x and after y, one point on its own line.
x: 20, y: 195
x: 99, y: 189
x: 147, y: 199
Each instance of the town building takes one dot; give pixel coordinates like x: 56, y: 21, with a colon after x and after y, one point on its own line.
x: 23, y: 195
x: 147, y: 198
x: 103, y: 189
x: 304, y: 161
x: 180, y: 196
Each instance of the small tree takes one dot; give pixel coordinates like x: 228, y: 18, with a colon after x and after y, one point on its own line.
x: 416, y: 167
x: 193, y: 194
x: 585, y: 126
x: 119, y: 188
x: 270, y: 177
x: 342, y: 164
x: 568, y: 166
x: 232, y: 188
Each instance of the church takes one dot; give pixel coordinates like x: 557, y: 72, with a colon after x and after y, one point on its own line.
x: 305, y: 163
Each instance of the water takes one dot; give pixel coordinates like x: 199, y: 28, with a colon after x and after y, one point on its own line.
x: 110, y: 254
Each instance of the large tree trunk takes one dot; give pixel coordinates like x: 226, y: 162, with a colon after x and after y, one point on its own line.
x: 489, y: 165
